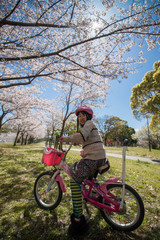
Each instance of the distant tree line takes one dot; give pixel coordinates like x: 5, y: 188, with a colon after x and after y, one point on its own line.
x: 115, y: 130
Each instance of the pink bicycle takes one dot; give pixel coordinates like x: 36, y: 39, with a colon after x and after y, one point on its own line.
x: 119, y: 204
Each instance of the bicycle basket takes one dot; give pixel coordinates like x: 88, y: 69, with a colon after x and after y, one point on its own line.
x: 51, y: 156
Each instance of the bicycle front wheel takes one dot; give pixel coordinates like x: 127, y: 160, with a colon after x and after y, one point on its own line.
x: 132, y: 214
x: 47, y: 192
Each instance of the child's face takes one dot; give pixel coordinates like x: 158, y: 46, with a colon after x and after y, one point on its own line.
x: 82, y: 118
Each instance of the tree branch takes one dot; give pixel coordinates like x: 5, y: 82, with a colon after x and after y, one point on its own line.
x: 47, y: 10
x: 81, y: 65
x: 130, y: 16
x: 72, y: 13
x: 79, y: 43
x: 4, y: 19
x: 24, y: 24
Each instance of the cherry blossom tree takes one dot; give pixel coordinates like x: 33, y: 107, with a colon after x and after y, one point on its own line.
x: 152, y: 141
x: 28, y: 127
x: 53, y: 124
x: 25, y: 111
x: 18, y: 101
x: 53, y: 40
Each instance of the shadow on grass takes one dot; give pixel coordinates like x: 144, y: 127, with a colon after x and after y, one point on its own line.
x: 34, y: 223
x: 155, y: 160
x: 17, y: 183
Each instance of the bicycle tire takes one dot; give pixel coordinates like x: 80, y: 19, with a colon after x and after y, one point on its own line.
x: 47, y: 197
x: 132, y: 216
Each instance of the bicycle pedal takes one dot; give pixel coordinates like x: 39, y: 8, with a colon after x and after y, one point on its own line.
x: 87, y: 218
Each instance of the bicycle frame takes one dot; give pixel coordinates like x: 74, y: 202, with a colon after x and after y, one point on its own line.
x: 86, y: 194
x: 100, y: 190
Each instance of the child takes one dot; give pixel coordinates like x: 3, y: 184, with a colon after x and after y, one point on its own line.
x: 93, y: 157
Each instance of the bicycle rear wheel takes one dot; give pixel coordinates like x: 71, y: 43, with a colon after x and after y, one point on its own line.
x: 132, y: 215
x: 48, y: 194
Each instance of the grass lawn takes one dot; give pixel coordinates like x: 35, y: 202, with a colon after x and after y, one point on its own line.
x: 21, y: 218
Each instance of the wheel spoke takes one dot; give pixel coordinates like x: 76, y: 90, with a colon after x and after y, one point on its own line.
x: 132, y: 213
x: 48, y: 194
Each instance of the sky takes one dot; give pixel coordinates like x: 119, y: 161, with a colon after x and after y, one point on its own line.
x: 118, y: 99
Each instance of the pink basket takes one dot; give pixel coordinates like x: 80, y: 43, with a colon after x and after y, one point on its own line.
x: 52, y: 156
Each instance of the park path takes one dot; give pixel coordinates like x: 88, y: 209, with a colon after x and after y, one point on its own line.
x: 136, y: 158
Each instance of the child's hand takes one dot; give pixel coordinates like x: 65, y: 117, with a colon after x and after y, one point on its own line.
x: 82, y: 153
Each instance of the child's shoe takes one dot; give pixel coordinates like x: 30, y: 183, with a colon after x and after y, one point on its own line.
x: 78, y: 228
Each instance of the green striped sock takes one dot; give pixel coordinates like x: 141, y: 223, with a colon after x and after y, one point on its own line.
x: 76, y: 198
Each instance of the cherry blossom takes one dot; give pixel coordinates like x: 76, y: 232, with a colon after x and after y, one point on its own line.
x: 55, y: 40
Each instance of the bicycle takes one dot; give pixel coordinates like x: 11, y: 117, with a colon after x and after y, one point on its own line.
x: 119, y: 204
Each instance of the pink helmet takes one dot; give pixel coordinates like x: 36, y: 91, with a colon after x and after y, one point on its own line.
x: 84, y: 108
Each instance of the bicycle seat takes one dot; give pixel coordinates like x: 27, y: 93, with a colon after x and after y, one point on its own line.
x: 101, y: 170
x: 104, y: 168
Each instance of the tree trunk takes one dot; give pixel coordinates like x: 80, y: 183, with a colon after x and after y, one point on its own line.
x: 22, y: 138
x: 149, y: 139
x: 15, y: 141
x: 25, y: 141
x: 66, y: 115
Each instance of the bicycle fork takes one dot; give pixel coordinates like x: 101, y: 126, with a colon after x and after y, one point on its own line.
x: 57, y: 178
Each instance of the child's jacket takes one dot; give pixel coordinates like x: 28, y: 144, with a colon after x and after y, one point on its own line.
x: 91, y: 141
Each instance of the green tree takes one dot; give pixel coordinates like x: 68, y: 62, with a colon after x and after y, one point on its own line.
x: 145, y: 98
x: 155, y: 129
x: 70, y: 128
x: 112, y: 125
x: 126, y: 132
x: 117, y: 130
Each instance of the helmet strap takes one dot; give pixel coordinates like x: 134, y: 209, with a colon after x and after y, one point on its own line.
x: 77, y: 125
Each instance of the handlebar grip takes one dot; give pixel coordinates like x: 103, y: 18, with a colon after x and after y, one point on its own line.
x: 125, y: 142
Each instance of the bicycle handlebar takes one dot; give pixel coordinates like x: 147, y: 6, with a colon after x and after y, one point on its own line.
x: 70, y: 145
x: 66, y: 152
